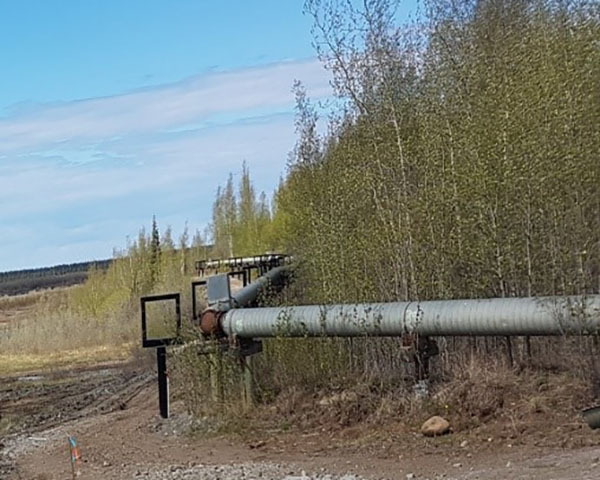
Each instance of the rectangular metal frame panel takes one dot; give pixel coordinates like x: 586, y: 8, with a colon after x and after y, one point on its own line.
x: 218, y: 290
x: 195, y: 284
x: 160, y: 342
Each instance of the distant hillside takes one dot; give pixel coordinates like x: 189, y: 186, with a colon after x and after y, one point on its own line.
x: 22, y: 281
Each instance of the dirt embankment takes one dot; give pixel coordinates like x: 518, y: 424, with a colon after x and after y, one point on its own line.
x: 112, y: 411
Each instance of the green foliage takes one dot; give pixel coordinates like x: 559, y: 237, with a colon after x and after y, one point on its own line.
x: 241, y: 223
x: 464, y: 161
x: 109, y: 299
x: 461, y: 161
x: 103, y: 313
x: 99, y: 295
x: 155, y: 251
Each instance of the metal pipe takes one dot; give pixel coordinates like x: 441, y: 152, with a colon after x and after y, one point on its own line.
x: 498, y: 316
x: 240, y: 261
x: 247, y: 295
x: 210, y: 319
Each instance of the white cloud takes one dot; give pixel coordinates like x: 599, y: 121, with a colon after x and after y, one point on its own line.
x: 41, y: 184
x: 77, y: 178
x: 233, y: 93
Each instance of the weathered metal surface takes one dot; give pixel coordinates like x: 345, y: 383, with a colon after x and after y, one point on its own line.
x: 218, y: 290
x: 498, y: 316
x: 273, y: 278
x: 209, y: 322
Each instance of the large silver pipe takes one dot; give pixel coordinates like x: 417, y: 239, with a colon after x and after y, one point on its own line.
x: 250, y: 293
x: 498, y: 316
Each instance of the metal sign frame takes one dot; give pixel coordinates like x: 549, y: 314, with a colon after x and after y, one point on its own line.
x: 195, y: 284
x: 160, y: 342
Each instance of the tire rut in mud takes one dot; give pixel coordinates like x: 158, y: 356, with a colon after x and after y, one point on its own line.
x: 30, y: 404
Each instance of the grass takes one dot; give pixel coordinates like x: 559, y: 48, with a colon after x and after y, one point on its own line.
x: 43, y: 332
x: 20, y: 307
x: 296, y: 379
x: 17, y: 363
x: 314, y: 385
x: 20, y: 301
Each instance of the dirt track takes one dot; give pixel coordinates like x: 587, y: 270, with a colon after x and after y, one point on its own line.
x: 113, y: 413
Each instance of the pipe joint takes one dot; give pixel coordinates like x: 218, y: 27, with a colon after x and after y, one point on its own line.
x: 210, y: 322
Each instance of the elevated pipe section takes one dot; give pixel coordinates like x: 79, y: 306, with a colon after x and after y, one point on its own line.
x: 241, y: 261
x: 248, y: 295
x: 211, y: 318
x: 499, y: 316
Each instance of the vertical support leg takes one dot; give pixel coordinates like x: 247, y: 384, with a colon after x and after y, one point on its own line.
x: 421, y: 365
x: 473, y: 341
x: 247, y: 382
x: 425, y: 348
x: 216, y: 377
x: 163, y: 382
x: 528, y: 348
x: 509, y: 351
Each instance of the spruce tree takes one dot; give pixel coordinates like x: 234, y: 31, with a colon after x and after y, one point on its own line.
x: 154, y: 252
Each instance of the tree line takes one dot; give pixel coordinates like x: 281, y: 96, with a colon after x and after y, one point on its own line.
x: 17, y: 282
x: 461, y: 159
x: 464, y: 158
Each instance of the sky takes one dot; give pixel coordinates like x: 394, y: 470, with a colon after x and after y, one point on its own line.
x: 114, y: 111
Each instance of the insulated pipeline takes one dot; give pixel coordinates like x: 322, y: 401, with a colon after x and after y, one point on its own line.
x: 249, y: 294
x: 498, y: 316
x: 241, y: 261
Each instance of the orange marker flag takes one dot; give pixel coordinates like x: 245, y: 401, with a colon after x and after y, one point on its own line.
x: 75, y: 453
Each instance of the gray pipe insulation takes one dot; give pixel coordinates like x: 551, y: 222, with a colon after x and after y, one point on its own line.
x: 274, y: 278
x: 496, y: 316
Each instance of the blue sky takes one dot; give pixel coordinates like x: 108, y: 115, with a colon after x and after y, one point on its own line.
x: 112, y: 111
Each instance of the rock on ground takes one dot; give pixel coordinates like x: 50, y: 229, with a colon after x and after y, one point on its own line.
x: 435, y: 426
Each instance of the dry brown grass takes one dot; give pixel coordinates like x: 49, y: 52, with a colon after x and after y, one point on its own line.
x: 43, y: 332
x: 16, y: 308
x: 484, y: 390
x: 55, y: 295
x: 27, y: 362
x: 48, y: 332
x: 480, y: 395
x: 19, y: 301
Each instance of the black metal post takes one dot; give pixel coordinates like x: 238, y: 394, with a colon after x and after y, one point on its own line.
x: 509, y: 351
x: 163, y: 382
x: 425, y: 349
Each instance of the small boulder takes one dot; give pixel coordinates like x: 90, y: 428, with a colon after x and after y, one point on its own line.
x: 435, y: 426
